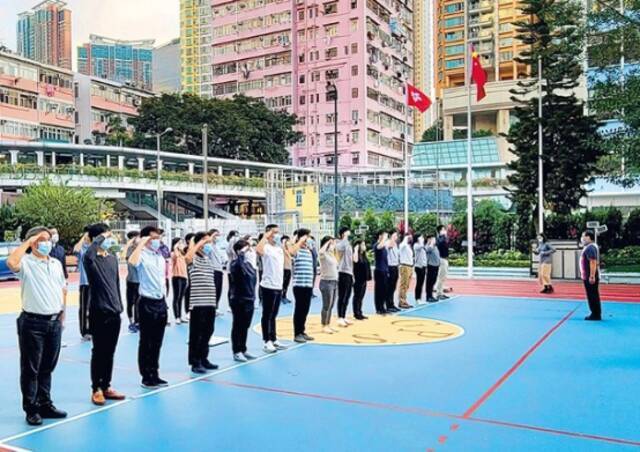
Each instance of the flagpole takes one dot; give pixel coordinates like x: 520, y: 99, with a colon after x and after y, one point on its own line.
x: 540, y: 162
x: 467, y: 67
x: 407, y: 163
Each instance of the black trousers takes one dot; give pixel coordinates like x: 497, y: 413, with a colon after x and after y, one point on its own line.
x: 201, y: 326
x: 218, y: 278
x: 432, y: 277
x: 187, y: 296
x: 105, y: 330
x: 153, y: 322
x: 133, y: 294
x: 286, y: 282
x: 302, y: 296
x: 83, y: 310
x: 39, y: 340
x: 345, y: 285
x: 380, y: 279
x: 242, y: 316
x: 593, y: 298
x: 421, y: 273
x: 270, y: 306
x: 359, y: 291
x: 179, y: 292
x: 260, y: 295
x: 392, y: 284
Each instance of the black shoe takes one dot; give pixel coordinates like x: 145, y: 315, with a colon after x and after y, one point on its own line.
x: 593, y: 318
x: 51, y: 412
x: 443, y: 297
x: 198, y: 369
x: 550, y: 289
x: 160, y: 382
x: 393, y: 309
x: 209, y: 365
x: 381, y: 312
x: 34, y: 419
x: 431, y: 300
x: 148, y: 384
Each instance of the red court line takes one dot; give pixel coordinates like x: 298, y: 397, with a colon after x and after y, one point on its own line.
x: 426, y: 413
x: 517, y: 364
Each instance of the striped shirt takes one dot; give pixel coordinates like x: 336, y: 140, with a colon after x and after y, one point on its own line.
x: 203, y: 289
x: 303, y: 269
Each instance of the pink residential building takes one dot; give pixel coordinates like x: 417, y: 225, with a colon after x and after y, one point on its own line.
x: 287, y: 52
x: 36, y: 101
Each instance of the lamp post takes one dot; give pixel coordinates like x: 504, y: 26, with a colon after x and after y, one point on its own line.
x: 332, y: 90
x: 158, y: 187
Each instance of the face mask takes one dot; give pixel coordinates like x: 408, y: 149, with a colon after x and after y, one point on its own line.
x: 155, y: 244
x: 584, y: 242
x: 55, y: 238
x: 310, y: 243
x: 44, y: 248
x: 421, y: 240
x: 207, y: 248
x: 244, y: 250
x: 278, y: 239
x: 107, y: 243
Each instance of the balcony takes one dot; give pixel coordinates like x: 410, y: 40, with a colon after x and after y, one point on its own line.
x: 481, y: 22
x: 482, y: 6
x: 480, y: 36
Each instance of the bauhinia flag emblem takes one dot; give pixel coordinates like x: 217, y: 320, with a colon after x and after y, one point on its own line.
x: 418, y: 99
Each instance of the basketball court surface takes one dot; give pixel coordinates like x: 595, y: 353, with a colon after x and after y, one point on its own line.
x: 490, y: 369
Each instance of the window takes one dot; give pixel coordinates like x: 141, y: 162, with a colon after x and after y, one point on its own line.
x: 299, y: 194
x: 453, y: 35
x: 506, y: 56
x: 301, y: 80
x: 355, y: 136
x: 302, y: 100
x: 302, y: 120
x: 330, y: 8
x: 302, y: 161
x: 354, y: 4
x: 354, y: 116
x: 505, y: 27
x: 331, y: 53
x: 354, y: 93
x: 354, y: 71
x: 354, y: 47
x: 330, y: 118
x: 301, y: 14
x: 453, y: 64
x: 329, y: 139
x: 454, y: 22
x: 301, y: 58
x: 453, y: 8
x: 331, y: 74
x: 331, y: 30
x: 355, y: 158
x: 315, y: 76
x: 353, y: 26
x: 506, y: 42
x: 454, y: 50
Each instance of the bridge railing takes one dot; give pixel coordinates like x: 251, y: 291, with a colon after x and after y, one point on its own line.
x: 34, y: 171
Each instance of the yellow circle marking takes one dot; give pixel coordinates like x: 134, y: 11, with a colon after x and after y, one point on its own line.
x: 377, y: 330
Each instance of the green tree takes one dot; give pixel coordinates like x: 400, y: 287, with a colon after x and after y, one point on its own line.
x: 615, y: 34
x: 8, y: 220
x: 346, y: 221
x: 435, y: 133
x: 424, y: 223
x: 612, y: 217
x: 631, y: 233
x: 239, y: 128
x: 65, y: 208
x: 554, y: 35
x: 370, y: 220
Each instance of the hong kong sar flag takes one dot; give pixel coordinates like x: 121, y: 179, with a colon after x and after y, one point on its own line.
x: 418, y: 99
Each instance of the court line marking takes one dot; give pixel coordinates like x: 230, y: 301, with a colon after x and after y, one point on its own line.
x: 424, y: 412
x: 478, y: 403
x: 541, y: 298
x: 142, y: 396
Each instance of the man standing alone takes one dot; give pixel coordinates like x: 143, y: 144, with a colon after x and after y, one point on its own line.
x: 44, y: 299
x: 105, y: 309
x: 589, y: 269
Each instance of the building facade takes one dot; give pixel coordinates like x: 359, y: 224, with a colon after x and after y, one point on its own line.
x: 292, y: 57
x: 121, y: 61
x: 36, y: 101
x: 166, y: 67
x: 195, y: 46
x: 44, y: 34
x: 101, y: 104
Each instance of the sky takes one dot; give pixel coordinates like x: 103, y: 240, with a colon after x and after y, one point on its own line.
x: 120, y: 19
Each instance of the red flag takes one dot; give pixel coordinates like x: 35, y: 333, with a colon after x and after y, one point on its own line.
x: 478, y: 75
x: 418, y: 99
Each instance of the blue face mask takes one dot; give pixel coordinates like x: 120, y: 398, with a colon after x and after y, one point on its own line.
x: 44, y: 248
x: 207, y: 248
x: 107, y: 244
x: 155, y: 244
x: 310, y: 243
x: 278, y: 239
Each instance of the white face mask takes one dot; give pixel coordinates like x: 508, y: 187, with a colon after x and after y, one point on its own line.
x: 55, y: 238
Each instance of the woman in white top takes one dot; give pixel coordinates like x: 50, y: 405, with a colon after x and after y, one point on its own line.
x: 328, y: 281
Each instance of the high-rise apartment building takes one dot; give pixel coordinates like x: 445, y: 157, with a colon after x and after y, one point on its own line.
x: 118, y: 60
x: 292, y: 56
x: 166, y: 67
x: 44, y: 34
x: 195, y: 46
x: 425, y: 29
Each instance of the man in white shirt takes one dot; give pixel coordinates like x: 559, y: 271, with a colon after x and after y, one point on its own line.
x: 44, y: 299
x: 406, y: 270
x: 218, y: 258
x: 272, y: 256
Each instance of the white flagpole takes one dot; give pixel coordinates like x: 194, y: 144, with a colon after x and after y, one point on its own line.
x: 407, y: 164
x: 540, y: 163
x: 467, y: 67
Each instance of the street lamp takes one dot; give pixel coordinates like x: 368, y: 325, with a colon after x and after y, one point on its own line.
x: 332, y: 91
x: 158, y: 188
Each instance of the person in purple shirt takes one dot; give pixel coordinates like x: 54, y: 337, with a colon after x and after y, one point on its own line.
x: 590, y: 272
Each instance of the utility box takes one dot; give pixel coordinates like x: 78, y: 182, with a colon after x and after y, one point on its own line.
x: 565, y: 261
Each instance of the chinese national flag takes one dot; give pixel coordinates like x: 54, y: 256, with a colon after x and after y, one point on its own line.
x: 418, y: 99
x: 478, y: 75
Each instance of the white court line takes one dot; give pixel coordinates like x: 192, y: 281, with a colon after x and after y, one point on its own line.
x: 141, y: 396
x: 426, y: 305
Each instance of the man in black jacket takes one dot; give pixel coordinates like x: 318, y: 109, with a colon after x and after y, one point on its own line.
x: 105, y: 308
x: 242, y: 293
x: 442, y: 242
x: 58, y: 252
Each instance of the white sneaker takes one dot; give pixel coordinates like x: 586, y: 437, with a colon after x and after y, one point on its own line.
x: 239, y: 357
x: 279, y: 346
x: 269, y: 347
x: 343, y: 323
x: 334, y: 330
x: 249, y: 356
x: 184, y: 320
x: 348, y: 322
x: 178, y: 321
x: 327, y: 330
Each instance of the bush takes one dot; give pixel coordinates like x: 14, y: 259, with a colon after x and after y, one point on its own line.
x: 612, y: 217
x: 631, y: 232
x: 629, y: 255
x: 499, y: 258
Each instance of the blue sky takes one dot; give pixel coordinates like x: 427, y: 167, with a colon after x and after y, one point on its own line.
x: 122, y: 19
